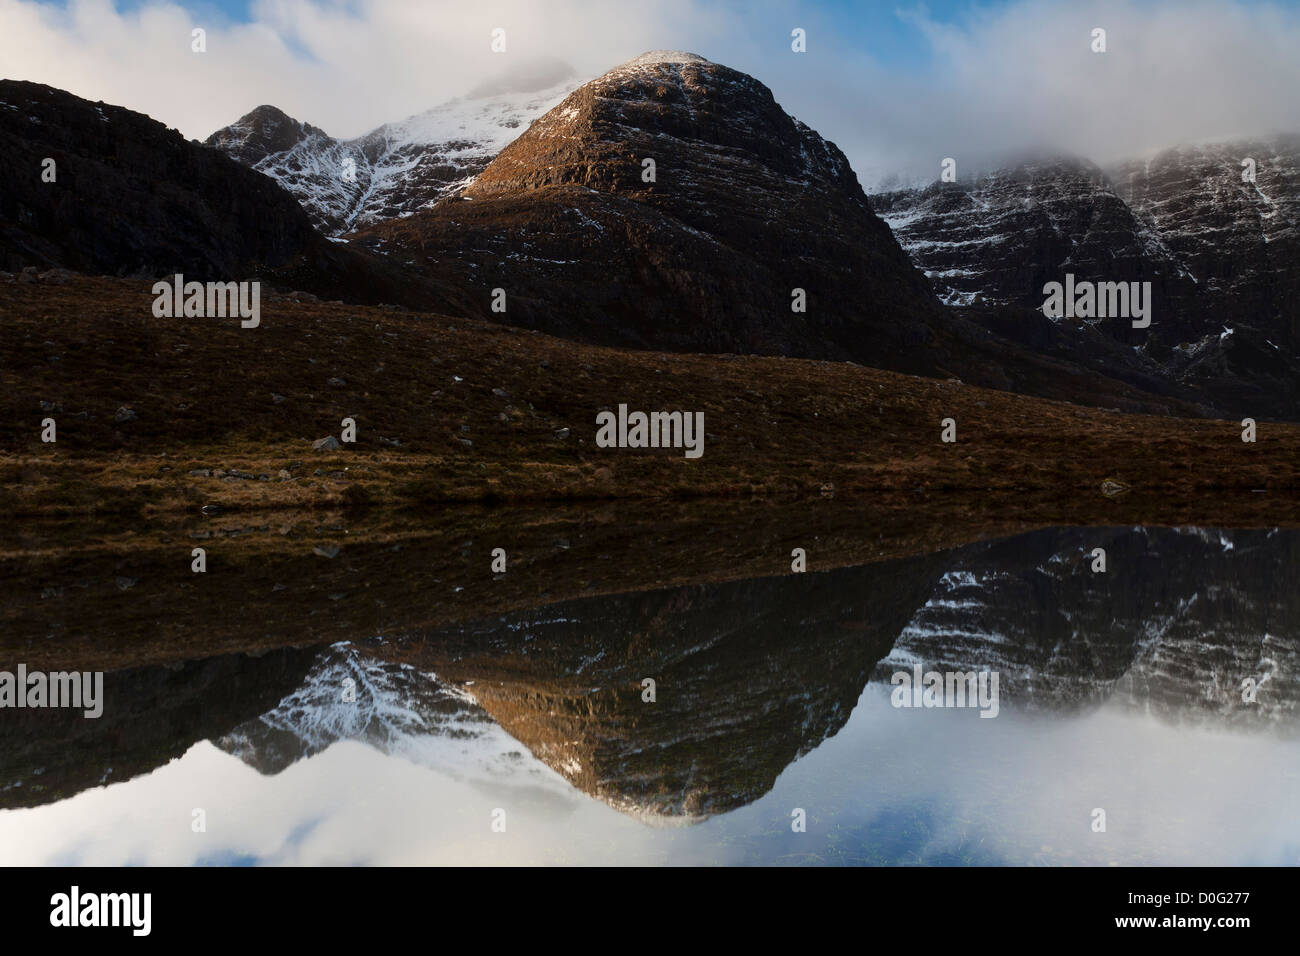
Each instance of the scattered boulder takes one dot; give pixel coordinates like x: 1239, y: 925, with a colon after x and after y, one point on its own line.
x: 328, y: 443
x: 1113, y: 488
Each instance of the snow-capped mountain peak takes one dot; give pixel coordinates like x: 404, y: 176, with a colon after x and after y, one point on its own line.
x: 398, y: 168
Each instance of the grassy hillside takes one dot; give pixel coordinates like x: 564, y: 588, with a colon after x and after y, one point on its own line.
x: 169, y: 415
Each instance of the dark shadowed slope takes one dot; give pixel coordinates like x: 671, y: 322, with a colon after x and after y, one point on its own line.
x: 133, y: 198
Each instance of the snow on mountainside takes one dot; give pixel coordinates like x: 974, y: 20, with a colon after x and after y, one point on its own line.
x: 399, y: 168
x: 1225, y: 227
x: 1185, y: 220
x: 1002, y: 235
x: 1221, y: 253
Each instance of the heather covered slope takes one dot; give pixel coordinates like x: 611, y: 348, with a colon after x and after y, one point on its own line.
x: 450, y: 408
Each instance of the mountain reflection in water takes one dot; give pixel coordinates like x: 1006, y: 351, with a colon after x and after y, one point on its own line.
x: 1120, y: 691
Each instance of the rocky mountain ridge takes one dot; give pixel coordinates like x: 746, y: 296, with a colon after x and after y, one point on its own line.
x: 702, y: 252
x: 398, y: 168
x: 1221, y: 251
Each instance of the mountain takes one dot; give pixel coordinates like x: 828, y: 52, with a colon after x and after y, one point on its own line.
x: 130, y: 196
x: 746, y: 205
x: 669, y: 205
x: 398, y: 168
x: 1221, y: 256
x: 1002, y: 236
x: 1238, y: 240
x: 133, y: 198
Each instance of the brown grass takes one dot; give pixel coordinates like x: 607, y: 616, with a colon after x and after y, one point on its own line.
x: 202, y: 393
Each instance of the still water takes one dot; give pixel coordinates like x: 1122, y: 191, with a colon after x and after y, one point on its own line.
x: 1147, y: 714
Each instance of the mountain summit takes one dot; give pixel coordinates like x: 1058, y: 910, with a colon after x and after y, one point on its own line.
x: 398, y: 168
x: 672, y: 204
x: 266, y: 131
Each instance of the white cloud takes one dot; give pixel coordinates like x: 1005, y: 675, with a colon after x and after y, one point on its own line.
x: 1019, y: 788
x: 998, y: 78
x: 1174, y: 72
